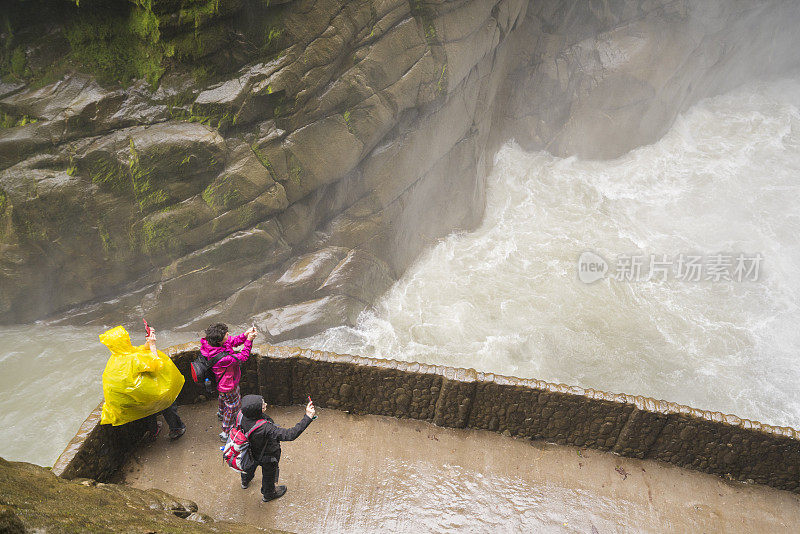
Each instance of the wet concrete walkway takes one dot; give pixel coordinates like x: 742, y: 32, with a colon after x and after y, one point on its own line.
x: 350, y: 473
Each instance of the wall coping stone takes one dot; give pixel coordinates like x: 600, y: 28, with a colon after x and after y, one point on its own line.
x: 647, y: 404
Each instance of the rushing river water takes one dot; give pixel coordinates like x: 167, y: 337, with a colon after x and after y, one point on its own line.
x: 50, y: 379
x: 722, y: 185
x: 507, y: 298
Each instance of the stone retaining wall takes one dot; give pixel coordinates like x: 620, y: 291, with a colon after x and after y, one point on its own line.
x: 97, y: 451
x: 628, y: 425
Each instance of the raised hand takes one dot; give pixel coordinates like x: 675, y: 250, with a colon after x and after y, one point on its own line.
x: 251, y: 334
x: 151, y: 340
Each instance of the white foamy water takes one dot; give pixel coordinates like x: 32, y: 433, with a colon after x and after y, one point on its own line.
x: 506, y: 298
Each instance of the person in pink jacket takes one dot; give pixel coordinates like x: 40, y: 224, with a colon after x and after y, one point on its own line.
x: 219, y: 342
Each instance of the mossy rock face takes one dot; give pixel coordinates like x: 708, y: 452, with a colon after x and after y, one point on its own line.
x: 35, y: 500
x: 156, y: 165
x: 163, y: 170
x: 162, y: 234
x: 7, y: 234
x: 117, y: 49
x: 119, y: 42
x: 243, y: 181
x: 80, y: 216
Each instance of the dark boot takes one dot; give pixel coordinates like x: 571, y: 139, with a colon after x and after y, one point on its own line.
x: 279, y: 492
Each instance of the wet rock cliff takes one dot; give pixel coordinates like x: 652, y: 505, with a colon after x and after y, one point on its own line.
x: 287, y: 160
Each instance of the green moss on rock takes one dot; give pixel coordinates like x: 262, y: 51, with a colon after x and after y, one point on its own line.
x: 108, y: 173
x: 146, y: 195
x: 108, y: 47
x: 11, y: 121
x: 105, y: 238
x: 264, y: 160
x: 198, y: 11
x: 246, y: 216
x: 18, y: 62
x: 221, y: 195
x: 144, y: 23
x: 157, y: 237
x: 122, y: 41
x: 133, y: 179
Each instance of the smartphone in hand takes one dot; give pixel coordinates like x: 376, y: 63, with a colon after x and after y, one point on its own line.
x: 312, y: 403
x: 147, y: 328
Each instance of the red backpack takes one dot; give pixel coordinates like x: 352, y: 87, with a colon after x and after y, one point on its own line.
x: 236, y: 452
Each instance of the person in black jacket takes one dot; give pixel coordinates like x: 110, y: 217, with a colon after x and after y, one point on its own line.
x: 265, y: 443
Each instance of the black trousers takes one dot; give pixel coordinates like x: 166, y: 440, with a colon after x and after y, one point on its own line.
x: 170, y: 415
x: 269, y: 473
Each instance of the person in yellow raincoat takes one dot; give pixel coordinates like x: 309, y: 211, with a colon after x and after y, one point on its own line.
x: 138, y: 382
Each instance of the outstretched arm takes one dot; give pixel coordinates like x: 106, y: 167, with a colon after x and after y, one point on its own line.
x: 151, y: 342
x: 144, y: 362
x: 247, y: 335
x: 235, y: 341
x: 290, y: 434
x: 248, y: 345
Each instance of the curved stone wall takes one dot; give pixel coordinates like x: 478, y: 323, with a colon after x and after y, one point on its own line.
x: 635, y: 426
x: 628, y: 425
x: 97, y: 451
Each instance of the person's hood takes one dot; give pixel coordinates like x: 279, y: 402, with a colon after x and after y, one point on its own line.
x: 251, y: 406
x: 208, y: 350
x: 117, y: 340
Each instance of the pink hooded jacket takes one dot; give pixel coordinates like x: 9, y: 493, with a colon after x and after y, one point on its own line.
x: 227, y: 368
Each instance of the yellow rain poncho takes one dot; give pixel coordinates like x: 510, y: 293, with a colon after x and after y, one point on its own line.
x: 136, y: 383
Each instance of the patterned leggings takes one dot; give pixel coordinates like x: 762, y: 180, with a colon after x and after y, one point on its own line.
x: 230, y: 402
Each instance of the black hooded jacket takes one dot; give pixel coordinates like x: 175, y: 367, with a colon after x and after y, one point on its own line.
x: 268, y: 433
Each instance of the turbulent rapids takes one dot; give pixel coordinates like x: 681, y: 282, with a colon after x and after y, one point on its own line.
x: 507, y: 298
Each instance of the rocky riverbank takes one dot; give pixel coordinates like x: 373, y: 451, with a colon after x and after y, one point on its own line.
x: 32, y: 499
